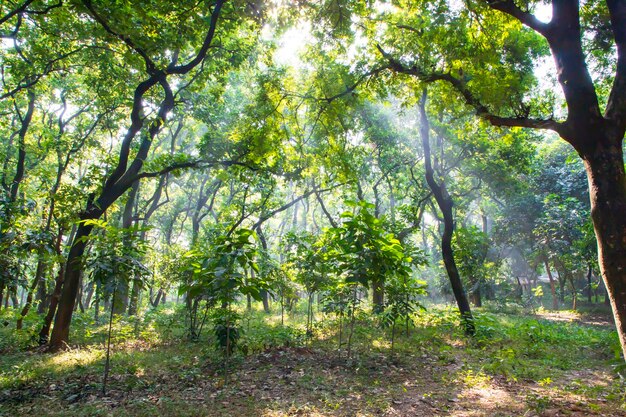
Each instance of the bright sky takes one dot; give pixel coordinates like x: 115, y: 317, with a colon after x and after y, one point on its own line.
x: 292, y: 44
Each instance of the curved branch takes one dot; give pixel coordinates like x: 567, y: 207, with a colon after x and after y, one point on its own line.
x: 150, y: 67
x: 509, y: 7
x: 470, y: 99
x: 16, y: 11
x: 183, y: 69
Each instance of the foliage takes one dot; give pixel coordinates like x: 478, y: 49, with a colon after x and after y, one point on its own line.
x: 116, y: 256
x: 219, y: 270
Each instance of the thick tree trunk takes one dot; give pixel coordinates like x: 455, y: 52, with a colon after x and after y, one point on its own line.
x: 71, y: 281
x: 607, y: 190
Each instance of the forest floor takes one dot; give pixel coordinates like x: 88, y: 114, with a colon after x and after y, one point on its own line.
x: 546, y: 364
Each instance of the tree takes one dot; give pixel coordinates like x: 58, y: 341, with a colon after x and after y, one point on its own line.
x: 491, y: 71
x: 160, y: 66
x: 445, y: 204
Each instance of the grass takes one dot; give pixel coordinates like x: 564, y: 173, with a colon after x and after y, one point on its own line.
x: 516, y: 364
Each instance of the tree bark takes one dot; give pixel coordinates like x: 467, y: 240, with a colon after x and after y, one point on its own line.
x: 607, y: 189
x: 52, y: 307
x: 70, y: 283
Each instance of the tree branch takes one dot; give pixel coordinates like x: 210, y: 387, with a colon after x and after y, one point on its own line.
x: 509, y: 7
x: 19, y: 10
x: 183, y: 69
x: 150, y: 67
x: 616, y: 105
x: 470, y: 99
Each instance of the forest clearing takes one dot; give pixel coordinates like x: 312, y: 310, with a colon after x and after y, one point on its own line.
x: 518, y: 364
x: 312, y: 207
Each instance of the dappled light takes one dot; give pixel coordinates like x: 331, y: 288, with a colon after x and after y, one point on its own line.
x: 312, y: 208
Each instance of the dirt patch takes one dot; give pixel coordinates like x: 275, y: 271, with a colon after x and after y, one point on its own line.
x: 306, y: 382
x: 587, y: 319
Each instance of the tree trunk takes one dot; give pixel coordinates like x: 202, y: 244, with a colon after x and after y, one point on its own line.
x: 589, y: 292
x: 157, y: 300
x: 70, y: 282
x: 14, y: 299
x: 90, y: 291
x: 607, y: 190
x: 31, y: 291
x: 475, y: 296
x: 266, y: 301
x: 120, y: 302
x: 378, y: 295
x: 555, y: 301
x: 574, y: 292
x: 133, y: 303
x: 52, y: 307
x: 42, y: 295
x: 122, y: 286
x: 444, y: 201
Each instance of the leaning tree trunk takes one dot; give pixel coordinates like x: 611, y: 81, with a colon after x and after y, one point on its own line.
x: 445, y: 203
x: 31, y: 291
x: 607, y: 191
x: 71, y: 281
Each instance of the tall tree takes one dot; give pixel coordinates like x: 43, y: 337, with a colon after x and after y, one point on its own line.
x: 490, y: 67
x: 445, y: 204
x: 161, y: 65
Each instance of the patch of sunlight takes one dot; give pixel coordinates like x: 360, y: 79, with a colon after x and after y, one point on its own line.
x: 488, y: 398
x: 37, y: 366
x: 75, y: 358
x: 562, y: 316
x: 301, y: 410
x: 381, y: 344
x: 473, y: 379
